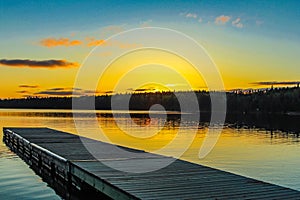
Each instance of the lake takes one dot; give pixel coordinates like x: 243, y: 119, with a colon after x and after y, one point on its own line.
x: 256, y: 151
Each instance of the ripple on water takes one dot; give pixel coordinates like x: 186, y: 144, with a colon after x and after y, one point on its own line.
x: 15, y: 175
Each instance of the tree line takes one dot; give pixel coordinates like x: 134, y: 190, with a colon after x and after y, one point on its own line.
x: 274, y: 100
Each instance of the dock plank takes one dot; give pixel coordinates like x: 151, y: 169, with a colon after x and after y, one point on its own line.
x: 179, y: 180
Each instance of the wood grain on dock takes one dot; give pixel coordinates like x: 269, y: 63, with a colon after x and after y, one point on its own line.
x: 65, y: 158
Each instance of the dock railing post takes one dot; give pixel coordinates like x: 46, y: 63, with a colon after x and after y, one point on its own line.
x: 69, y: 180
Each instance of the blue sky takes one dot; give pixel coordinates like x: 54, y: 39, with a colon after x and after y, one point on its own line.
x: 250, y: 41
x: 279, y: 18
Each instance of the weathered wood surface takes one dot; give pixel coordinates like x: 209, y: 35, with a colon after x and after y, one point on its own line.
x: 64, y: 155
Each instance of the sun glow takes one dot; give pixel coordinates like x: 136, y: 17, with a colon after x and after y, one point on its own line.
x: 150, y: 70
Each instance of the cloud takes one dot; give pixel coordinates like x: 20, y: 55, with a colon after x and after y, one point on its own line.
x: 150, y: 89
x: 111, y: 43
x: 57, y: 89
x: 56, y: 93
x: 146, y: 23
x: 93, y: 42
x: 109, y: 92
x: 50, y: 64
x: 26, y: 89
x: 67, y: 91
x: 22, y: 92
x: 237, y: 23
x: 223, y: 19
x: 52, y: 42
x: 276, y: 83
x: 200, y: 20
x: 89, y: 41
x: 28, y: 86
x: 141, y: 90
x: 191, y: 15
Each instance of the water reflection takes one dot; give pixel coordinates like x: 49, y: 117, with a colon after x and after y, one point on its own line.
x: 262, y: 147
x: 17, y: 181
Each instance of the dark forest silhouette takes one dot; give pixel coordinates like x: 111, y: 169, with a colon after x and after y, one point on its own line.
x: 274, y: 100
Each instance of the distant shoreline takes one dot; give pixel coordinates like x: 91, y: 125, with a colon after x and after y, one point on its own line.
x: 272, y: 101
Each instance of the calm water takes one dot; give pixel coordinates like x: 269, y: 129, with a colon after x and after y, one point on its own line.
x: 250, y: 152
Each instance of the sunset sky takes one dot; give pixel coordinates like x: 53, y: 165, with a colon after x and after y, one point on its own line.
x: 43, y: 43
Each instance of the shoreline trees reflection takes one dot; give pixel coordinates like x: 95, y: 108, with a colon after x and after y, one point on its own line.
x: 272, y: 109
x: 274, y: 100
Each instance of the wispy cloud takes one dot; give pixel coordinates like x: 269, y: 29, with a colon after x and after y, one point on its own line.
x: 49, y: 64
x: 191, y: 15
x: 22, y: 91
x: 111, y: 43
x: 276, y: 83
x: 223, y: 19
x: 57, y: 89
x: 150, y: 89
x: 67, y: 91
x: 237, y: 23
x: 53, y: 42
x: 28, y: 86
x: 143, y: 89
x: 146, y: 23
x: 56, y: 93
x: 219, y: 20
x: 88, y: 42
x: 109, y: 92
x: 26, y: 89
x: 93, y: 42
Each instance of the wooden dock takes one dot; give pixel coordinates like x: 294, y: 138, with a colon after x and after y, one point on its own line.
x: 63, y: 159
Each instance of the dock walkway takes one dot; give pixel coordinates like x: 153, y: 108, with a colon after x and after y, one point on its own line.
x: 64, y: 159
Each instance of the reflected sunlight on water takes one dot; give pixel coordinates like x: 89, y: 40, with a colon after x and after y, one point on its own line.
x: 254, y: 153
